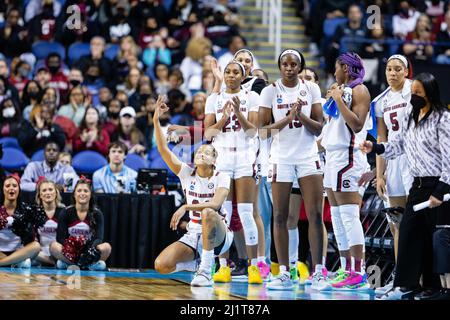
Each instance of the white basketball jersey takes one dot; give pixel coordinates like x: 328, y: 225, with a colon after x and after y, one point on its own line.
x: 248, y: 85
x: 9, y: 241
x: 294, y: 142
x: 47, y: 233
x: 200, y: 190
x: 338, y: 135
x: 232, y: 136
x: 392, y: 107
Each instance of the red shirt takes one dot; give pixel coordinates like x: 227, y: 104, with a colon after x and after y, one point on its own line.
x: 99, y: 145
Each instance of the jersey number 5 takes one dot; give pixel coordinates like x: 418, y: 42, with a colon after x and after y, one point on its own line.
x: 394, y: 121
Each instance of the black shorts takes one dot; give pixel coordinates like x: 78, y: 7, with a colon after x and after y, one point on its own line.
x: 441, y: 250
x: 296, y: 191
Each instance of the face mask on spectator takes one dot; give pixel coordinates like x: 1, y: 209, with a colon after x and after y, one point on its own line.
x: 113, y: 115
x: 9, y: 112
x: 75, y: 82
x: 24, y: 72
x: 53, y: 69
x: 33, y: 94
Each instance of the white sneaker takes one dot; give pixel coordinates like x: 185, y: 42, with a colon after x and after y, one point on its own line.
x: 61, y: 265
x: 25, y: 264
x: 98, y: 266
x: 394, y: 294
x: 387, y: 287
x: 320, y: 282
x: 281, y: 282
x: 202, y: 279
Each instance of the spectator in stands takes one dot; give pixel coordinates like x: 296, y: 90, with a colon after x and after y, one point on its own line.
x: 405, y: 20
x: 176, y: 81
x: 10, y: 118
x: 156, y: 52
x: 149, y: 30
x: 375, y: 49
x: 76, y: 108
x: 6, y: 90
x: 32, y: 95
x: 161, y: 72
x: 115, y: 177
x: 122, y: 97
x: 50, y: 168
x: 35, y: 134
x: 4, y: 68
x: 444, y: 36
x: 131, y: 82
x: 13, y: 37
x: 75, y: 77
x: 235, y: 44
x: 419, y: 45
x: 118, y: 26
x: 207, y: 81
x: 36, y: 7
x: 43, y: 77
x: 58, y: 79
x: 112, y: 120
x: 91, y: 135
x: 65, y: 158
x: 179, y: 108
x: 435, y: 9
x: 181, y: 11
x: 96, y: 57
x: 353, y: 31
x: 145, y: 122
x: 144, y: 90
x: 218, y: 30
x: 145, y: 10
x: 42, y: 27
x: 19, y: 244
x: 128, y: 133
x: 20, y: 75
x: 191, y: 66
x: 127, y: 48
x: 104, y: 96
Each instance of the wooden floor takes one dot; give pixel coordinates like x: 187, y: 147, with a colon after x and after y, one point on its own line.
x: 51, y: 284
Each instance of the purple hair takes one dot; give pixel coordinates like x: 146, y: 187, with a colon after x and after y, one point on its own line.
x: 355, y: 67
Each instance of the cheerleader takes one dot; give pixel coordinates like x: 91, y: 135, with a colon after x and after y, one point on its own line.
x: 17, y: 245
x: 49, y: 198
x: 79, y: 236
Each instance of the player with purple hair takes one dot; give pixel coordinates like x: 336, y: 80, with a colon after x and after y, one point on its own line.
x: 345, y: 163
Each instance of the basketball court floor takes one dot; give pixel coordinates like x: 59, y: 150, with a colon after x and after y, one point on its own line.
x: 116, y: 284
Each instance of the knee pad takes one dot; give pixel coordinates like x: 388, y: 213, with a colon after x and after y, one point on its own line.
x: 353, y: 228
x: 245, y: 211
x: 338, y: 229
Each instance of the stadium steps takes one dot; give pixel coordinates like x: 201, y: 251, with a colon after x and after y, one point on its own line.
x: 257, y: 36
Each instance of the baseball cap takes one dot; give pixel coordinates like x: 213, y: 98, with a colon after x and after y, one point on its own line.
x: 127, y: 111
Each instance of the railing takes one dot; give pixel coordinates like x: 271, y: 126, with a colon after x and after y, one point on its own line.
x: 271, y: 16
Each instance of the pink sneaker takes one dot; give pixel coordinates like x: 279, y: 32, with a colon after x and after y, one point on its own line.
x: 264, y: 269
x: 352, y: 281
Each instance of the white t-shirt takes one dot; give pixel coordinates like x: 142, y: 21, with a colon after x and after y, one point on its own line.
x: 232, y: 135
x: 294, y: 142
x: 200, y: 190
x: 392, y: 107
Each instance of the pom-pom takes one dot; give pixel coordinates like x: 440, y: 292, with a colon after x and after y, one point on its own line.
x: 3, y: 218
x: 89, y: 256
x: 73, y: 247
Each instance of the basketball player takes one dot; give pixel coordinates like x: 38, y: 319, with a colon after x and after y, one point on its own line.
x: 234, y: 139
x: 393, y: 176
x: 206, y: 189
x: 345, y: 164
x: 296, y: 110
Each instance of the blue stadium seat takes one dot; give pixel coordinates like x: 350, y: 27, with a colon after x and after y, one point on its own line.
x: 135, y: 161
x: 42, y: 49
x: 77, y: 50
x: 38, y: 155
x: 111, y: 51
x: 10, y: 142
x: 88, y: 162
x: 14, y: 159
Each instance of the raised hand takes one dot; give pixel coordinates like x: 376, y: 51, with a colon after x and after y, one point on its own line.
x: 218, y: 74
x: 236, y: 104
x: 160, y: 108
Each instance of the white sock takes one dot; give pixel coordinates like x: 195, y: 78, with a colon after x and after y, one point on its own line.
x: 223, y: 262
x: 207, y: 259
x: 293, y: 246
x: 186, y: 266
x: 283, y: 270
x: 343, y: 263
x: 262, y: 259
x: 253, y: 262
x: 324, y: 261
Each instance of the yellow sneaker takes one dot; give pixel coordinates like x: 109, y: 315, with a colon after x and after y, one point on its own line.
x: 223, y: 275
x: 303, y: 271
x: 274, y: 268
x: 254, y: 276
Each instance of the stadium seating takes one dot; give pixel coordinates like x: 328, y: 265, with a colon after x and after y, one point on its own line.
x: 87, y: 162
x: 77, y: 50
x: 10, y: 142
x: 38, y: 155
x: 135, y: 162
x: 42, y: 49
x: 13, y: 160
